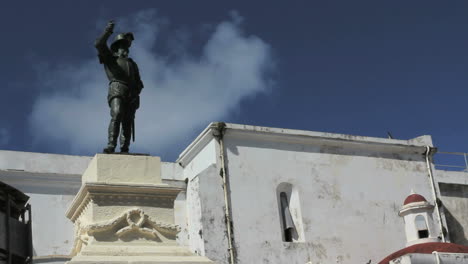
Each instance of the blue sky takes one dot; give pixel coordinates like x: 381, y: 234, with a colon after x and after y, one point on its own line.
x: 353, y: 67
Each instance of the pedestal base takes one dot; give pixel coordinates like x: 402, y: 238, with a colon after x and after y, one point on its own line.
x: 140, y: 259
x: 124, y: 214
x: 137, y: 254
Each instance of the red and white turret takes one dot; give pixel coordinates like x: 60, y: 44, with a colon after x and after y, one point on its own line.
x: 422, y: 243
x: 419, y: 224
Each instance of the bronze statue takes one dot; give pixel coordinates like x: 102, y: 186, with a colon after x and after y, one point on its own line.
x: 125, y: 86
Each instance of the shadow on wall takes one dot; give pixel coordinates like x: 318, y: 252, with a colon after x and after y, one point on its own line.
x: 455, y: 201
x: 456, y: 230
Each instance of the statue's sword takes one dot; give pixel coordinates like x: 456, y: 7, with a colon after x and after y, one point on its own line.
x: 133, y: 128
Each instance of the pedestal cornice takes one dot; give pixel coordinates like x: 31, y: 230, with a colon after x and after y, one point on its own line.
x: 124, y: 192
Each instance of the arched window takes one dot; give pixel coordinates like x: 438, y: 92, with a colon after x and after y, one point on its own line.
x: 421, y: 226
x: 292, y: 229
x: 288, y: 223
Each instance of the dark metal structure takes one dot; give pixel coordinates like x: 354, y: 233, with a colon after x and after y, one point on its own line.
x: 125, y: 86
x: 15, y: 226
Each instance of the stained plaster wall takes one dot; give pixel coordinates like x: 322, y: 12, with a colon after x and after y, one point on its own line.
x: 453, y: 187
x: 349, y: 198
x: 206, y: 233
x: 51, y: 181
x: 214, y: 233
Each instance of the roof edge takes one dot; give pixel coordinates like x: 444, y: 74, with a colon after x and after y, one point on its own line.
x: 197, y: 145
x: 415, y: 145
x: 421, y: 141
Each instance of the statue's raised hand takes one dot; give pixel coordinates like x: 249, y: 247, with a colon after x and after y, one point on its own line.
x: 110, y: 26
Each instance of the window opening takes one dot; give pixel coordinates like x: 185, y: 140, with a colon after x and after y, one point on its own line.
x: 421, y: 226
x: 288, y: 223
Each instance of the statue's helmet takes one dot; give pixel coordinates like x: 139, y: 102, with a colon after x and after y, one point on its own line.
x: 122, y: 38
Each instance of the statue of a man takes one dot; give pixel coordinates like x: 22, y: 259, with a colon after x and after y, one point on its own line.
x: 125, y: 86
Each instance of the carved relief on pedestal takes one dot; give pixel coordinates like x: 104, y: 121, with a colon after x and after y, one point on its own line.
x: 132, y: 224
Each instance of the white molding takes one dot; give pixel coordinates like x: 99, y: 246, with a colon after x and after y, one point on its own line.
x: 416, y: 206
x: 26, y: 179
x: 197, y: 145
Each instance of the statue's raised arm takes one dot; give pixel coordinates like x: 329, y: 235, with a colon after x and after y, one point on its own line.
x: 101, y: 42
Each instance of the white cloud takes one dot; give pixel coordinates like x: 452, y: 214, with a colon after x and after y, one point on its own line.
x: 180, y: 96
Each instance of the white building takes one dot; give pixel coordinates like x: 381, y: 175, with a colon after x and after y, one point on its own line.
x: 291, y: 196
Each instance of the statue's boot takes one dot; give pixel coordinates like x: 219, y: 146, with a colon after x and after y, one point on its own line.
x: 108, y: 150
x: 126, y: 134
x: 114, y: 125
x: 124, y: 149
x: 113, y: 133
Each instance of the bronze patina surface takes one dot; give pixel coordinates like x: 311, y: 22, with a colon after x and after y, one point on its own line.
x: 125, y: 87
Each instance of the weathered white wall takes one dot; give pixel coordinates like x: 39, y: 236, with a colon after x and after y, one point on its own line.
x: 213, y: 232
x: 453, y: 187
x: 350, y: 190
x: 350, y: 195
x: 204, y: 204
x: 52, y: 231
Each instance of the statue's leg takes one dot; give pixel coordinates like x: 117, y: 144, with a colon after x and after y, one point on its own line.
x: 126, y: 134
x: 114, y: 125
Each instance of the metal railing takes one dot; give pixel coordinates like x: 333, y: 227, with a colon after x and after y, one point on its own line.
x: 457, y: 161
x: 15, y: 222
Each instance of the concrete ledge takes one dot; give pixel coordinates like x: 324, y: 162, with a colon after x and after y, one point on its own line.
x: 60, y: 174
x: 451, y: 177
x: 42, y: 163
x: 51, y: 258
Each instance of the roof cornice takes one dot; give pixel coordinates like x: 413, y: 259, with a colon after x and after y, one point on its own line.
x: 383, y: 145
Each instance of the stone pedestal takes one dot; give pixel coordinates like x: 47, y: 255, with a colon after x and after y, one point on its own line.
x: 123, y: 213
